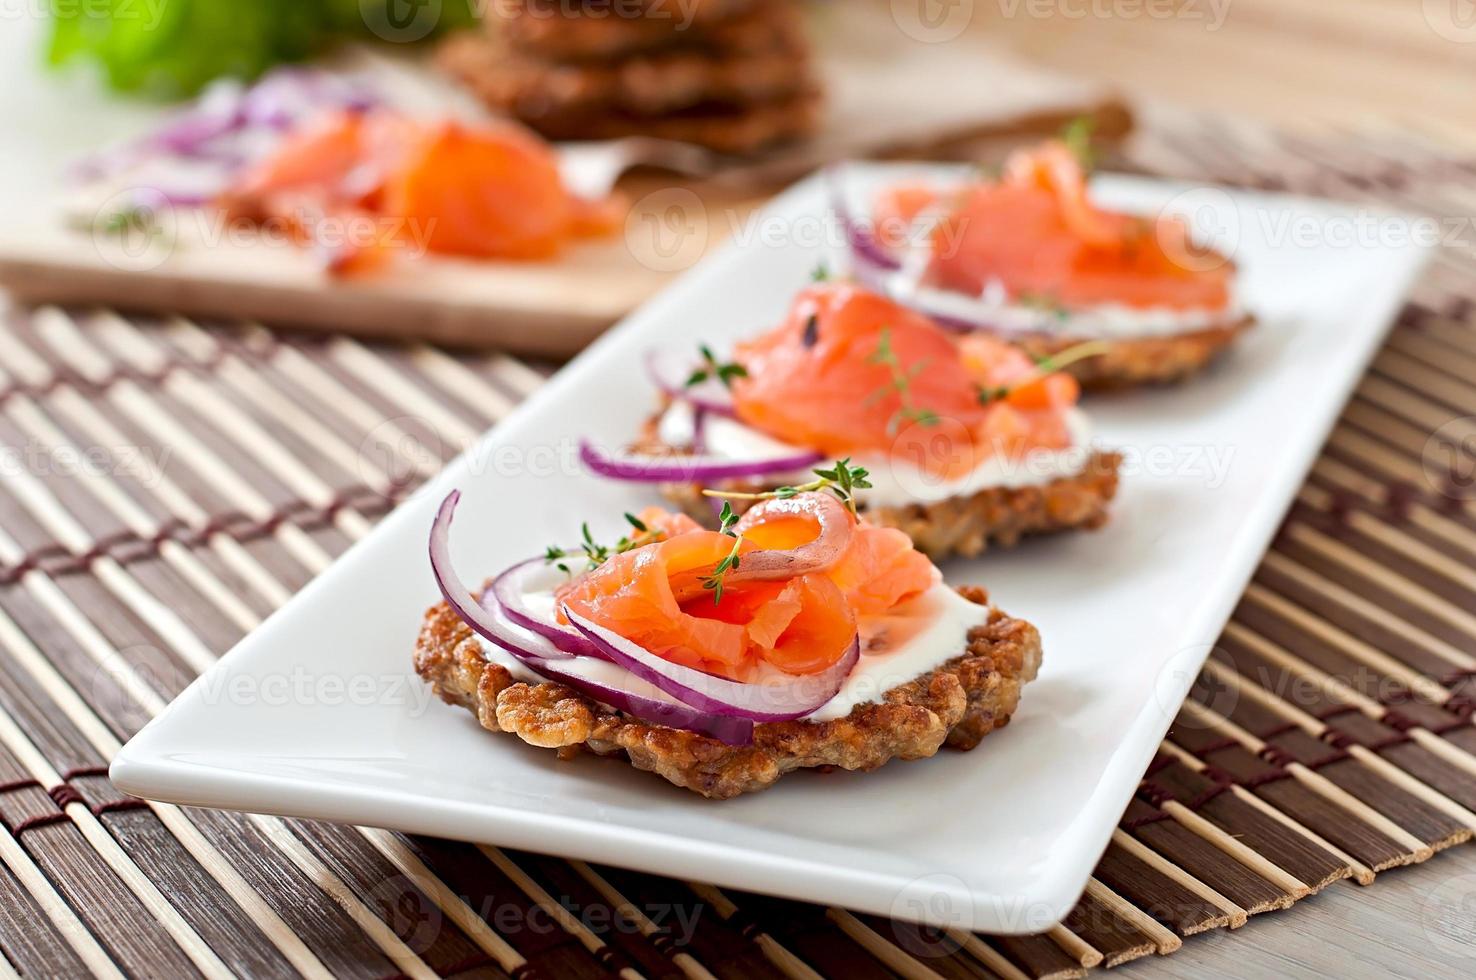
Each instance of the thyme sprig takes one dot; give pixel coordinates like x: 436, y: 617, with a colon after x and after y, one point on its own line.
x: 1049, y: 364
x: 900, y: 385
x: 713, y: 368
x: 843, y: 480
x: 1043, y: 301
x: 714, y: 581
x: 1077, y: 135
x: 595, y: 553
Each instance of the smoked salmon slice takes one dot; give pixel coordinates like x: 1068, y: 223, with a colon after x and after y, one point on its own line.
x: 654, y: 595
x: 852, y: 372
x: 1036, y: 233
x: 489, y: 191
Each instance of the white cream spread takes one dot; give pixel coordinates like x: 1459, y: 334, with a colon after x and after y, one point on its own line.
x: 894, y: 482
x: 914, y: 638
x: 1108, y: 321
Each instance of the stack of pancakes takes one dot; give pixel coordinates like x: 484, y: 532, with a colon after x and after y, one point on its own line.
x: 731, y: 75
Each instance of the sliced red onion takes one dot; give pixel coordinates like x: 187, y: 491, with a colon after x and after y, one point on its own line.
x: 540, y: 655
x: 728, y: 729
x: 862, y: 242
x: 687, y: 469
x: 716, y: 695
x: 699, y: 431
x: 508, y: 591
x: 485, y: 621
x: 670, y: 376
x: 823, y: 552
x: 213, y: 129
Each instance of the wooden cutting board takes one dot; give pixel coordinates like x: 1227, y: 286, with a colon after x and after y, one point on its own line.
x: 891, y: 89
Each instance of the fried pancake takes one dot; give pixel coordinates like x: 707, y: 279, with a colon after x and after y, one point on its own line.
x: 964, y: 526
x: 968, y: 526
x: 723, y: 129
x: 593, y: 30
x: 648, y: 84
x: 956, y: 704
x: 1141, y: 360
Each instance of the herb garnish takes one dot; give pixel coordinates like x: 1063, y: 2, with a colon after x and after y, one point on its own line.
x: 1077, y: 135
x: 900, y: 385
x: 714, y: 581
x: 842, y: 479
x: 1043, y: 301
x: 597, y: 554
x: 821, y: 272
x: 713, y: 368
x: 1049, y: 364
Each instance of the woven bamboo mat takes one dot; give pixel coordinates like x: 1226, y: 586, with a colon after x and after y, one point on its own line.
x: 165, y: 486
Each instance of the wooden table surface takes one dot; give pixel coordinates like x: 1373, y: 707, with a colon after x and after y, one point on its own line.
x: 1311, y: 64
x: 1306, y: 64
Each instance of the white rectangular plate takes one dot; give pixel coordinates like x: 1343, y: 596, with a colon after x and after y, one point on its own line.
x: 318, y: 713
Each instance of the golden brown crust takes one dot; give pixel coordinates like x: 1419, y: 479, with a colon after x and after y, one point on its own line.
x: 965, y: 526
x: 1141, y: 360
x: 735, y: 130
x: 957, y: 704
x: 650, y: 84
x: 601, y: 30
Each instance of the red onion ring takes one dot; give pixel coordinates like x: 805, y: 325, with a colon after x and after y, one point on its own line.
x: 710, y: 395
x: 717, y: 695
x: 862, y: 242
x: 540, y: 655
x: 507, y: 591
x: 818, y: 555
x: 873, y: 261
x: 687, y: 469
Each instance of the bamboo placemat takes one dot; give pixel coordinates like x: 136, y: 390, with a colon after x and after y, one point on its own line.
x: 166, y: 485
